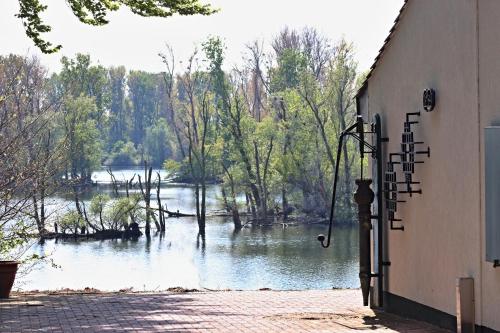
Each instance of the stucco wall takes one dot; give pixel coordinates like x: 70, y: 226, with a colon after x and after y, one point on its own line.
x: 436, y: 46
x: 489, y: 110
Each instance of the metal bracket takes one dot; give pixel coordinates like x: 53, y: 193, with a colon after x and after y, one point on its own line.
x: 393, y: 227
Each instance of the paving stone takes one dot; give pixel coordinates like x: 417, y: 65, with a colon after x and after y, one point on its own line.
x: 214, y: 311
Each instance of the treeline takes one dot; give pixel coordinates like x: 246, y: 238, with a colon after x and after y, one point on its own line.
x: 124, y: 113
x: 266, y: 131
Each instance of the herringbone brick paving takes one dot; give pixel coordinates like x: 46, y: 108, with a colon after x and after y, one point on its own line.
x: 212, y: 311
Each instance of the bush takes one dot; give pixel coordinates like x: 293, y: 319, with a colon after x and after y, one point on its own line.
x: 123, y: 154
x: 15, y: 239
x: 71, y: 221
x: 117, y: 212
x: 156, y: 142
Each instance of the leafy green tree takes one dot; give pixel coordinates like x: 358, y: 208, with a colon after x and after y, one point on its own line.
x: 291, y: 64
x: 123, y: 154
x: 30, y: 160
x: 114, y: 214
x: 341, y: 78
x: 157, y: 142
x: 305, y: 167
x: 97, y: 206
x: 120, y: 211
x: 235, y: 120
x: 172, y: 167
x: 197, y: 113
x: 142, y: 88
x: 79, y: 77
x: 84, y: 151
x: 71, y: 221
x: 313, y: 85
x: 118, y: 115
x: 94, y: 12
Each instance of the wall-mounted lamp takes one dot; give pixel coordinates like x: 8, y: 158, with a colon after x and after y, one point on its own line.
x: 429, y: 99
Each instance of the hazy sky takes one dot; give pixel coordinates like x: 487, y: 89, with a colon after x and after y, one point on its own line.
x: 134, y: 41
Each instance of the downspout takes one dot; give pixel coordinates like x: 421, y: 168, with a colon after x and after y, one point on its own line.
x: 479, y: 321
x: 380, y: 212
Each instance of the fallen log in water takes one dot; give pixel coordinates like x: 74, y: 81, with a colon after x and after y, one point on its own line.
x: 290, y: 221
x: 177, y: 214
x: 106, y: 234
x: 170, y: 213
x: 223, y: 213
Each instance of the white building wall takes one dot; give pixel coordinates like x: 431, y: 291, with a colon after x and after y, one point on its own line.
x: 452, y: 46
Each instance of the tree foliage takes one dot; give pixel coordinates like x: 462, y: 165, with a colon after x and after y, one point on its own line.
x: 274, y: 125
x: 266, y: 132
x: 94, y: 12
x: 30, y: 154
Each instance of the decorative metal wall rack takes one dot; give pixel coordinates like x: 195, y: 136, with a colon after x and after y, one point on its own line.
x: 388, y: 189
x: 407, y: 160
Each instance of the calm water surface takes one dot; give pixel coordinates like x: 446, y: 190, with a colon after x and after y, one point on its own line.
x: 256, y: 257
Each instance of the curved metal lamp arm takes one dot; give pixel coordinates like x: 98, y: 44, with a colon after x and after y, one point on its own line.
x: 321, y: 238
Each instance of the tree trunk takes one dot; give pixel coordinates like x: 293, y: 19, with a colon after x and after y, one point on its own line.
x: 262, y: 207
x: 158, y: 200
x: 347, y: 197
x: 234, y: 205
x: 224, y: 198
x: 203, y: 209
x: 284, y: 180
x: 146, y: 193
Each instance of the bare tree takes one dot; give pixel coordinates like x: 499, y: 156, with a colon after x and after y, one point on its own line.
x: 146, y: 194
x: 168, y: 59
x: 161, y: 212
x: 317, y: 50
x: 28, y: 163
x: 257, y: 82
x: 197, y: 118
x: 287, y: 39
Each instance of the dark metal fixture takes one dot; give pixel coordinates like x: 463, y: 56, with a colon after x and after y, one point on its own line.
x: 387, y: 190
x: 356, y: 131
x: 321, y: 237
x: 429, y: 99
x: 408, y: 153
x: 407, y: 160
x: 496, y: 263
x: 391, y: 192
x: 376, y: 129
x: 364, y: 197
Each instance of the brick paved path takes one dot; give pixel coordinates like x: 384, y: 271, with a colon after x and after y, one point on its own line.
x: 232, y: 311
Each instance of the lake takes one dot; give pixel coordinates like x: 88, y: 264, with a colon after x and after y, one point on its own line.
x: 256, y: 257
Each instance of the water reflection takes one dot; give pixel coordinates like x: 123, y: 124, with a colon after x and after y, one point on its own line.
x: 256, y: 257
x: 253, y: 258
